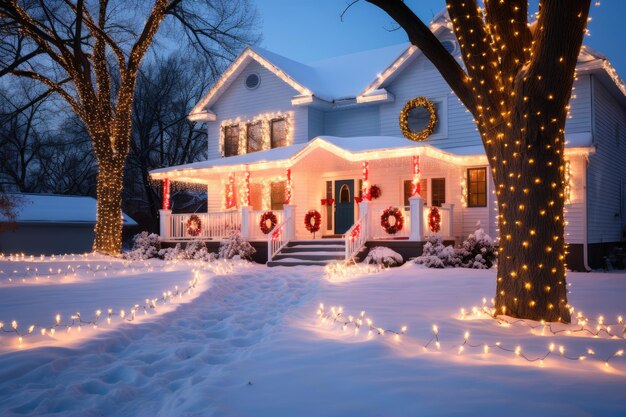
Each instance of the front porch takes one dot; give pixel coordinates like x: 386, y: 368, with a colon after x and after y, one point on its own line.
x: 365, y: 232
x: 369, y: 196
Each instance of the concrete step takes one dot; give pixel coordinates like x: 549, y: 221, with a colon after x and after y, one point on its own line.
x: 317, y: 242
x: 308, y: 256
x: 286, y: 262
x: 311, y: 248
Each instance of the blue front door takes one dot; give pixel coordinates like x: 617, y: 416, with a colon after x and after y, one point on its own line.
x: 344, y: 206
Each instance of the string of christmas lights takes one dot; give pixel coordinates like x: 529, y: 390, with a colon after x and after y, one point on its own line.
x: 78, y: 321
x: 592, y: 327
x: 337, y: 315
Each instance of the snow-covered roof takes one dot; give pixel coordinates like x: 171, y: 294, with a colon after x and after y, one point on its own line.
x: 50, y: 208
x: 352, y: 76
x: 350, y: 148
x: 338, y: 78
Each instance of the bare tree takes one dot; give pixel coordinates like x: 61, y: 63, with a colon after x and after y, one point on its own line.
x: 78, y: 49
x: 162, y: 135
x: 21, y: 137
x: 516, y: 82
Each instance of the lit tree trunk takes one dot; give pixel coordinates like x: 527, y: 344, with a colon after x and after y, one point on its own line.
x: 108, y: 230
x: 517, y: 84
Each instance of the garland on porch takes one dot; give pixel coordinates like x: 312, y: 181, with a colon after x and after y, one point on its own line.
x: 194, y: 225
x: 434, y: 220
x: 389, y: 228
x: 317, y: 221
x: 268, y: 215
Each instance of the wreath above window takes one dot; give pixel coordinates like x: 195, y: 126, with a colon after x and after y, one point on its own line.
x: 412, y: 105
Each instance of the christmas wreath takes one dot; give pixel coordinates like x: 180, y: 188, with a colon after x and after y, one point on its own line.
x: 434, y: 220
x: 268, y: 215
x: 317, y: 221
x: 375, y: 191
x: 404, y: 119
x: 194, y: 225
x: 394, y: 228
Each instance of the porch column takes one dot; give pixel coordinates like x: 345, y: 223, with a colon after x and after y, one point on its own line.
x: 164, y: 223
x: 245, y: 222
x: 416, y: 205
x: 290, y: 226
x: 450, y: 220
x: 365, y: 211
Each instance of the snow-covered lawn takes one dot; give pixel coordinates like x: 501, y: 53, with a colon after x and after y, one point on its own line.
x: 249, y: 342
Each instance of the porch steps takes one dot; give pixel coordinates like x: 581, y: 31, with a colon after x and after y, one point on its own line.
x: 309, y: 252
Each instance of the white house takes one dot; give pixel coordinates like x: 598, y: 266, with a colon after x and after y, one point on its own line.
x: 315, y: 135
x: 48, y: 224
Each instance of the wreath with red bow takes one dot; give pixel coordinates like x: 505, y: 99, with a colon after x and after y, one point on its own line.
x: 394, y: 228
x: 268, y: 215
x: 194, y: 225
x: 317, y: 221
x: 434, y: 220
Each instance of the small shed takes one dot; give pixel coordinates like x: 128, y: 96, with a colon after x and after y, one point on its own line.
x: 53, y: 224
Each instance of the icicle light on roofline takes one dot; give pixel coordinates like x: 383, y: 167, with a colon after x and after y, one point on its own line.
x: 239, y: 62
x: 187, y: 175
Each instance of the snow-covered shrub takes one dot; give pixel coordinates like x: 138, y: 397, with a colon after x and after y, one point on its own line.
x: 436, y: 255
x: 170, y: 254
x: 235, y: 247
x: 477, y: 251
x: 192, y: 251
x: 386, y: 257
x: 145, y: 246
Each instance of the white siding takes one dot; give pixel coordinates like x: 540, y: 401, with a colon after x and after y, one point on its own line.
x: 579, y: 119
x: 422, y: 79
x: 607, y: 168
x: 357, y: 121
x: 272, y: 95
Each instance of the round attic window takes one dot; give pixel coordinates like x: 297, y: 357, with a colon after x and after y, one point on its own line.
x: 253, y: 81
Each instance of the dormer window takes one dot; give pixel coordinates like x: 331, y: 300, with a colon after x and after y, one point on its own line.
x: 252, y: 81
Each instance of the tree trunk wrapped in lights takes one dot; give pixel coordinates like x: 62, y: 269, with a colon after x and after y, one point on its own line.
x: 517, y: 84
x: 87, y: 53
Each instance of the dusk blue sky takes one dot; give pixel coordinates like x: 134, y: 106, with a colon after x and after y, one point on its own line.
x: 307, y: 30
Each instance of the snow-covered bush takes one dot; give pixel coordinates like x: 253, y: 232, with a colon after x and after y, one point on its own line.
x: 192, y: 251
x: 235, y: 247
x: 386, y: 257
x: 145, y: 246
x: 477, y: 251
x: 436, y: 255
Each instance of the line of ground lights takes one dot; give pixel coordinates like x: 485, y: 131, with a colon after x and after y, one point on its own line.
x: 78, y: 321
x: 336, y: 315
x: 593, y: 327
x: 68, y: 271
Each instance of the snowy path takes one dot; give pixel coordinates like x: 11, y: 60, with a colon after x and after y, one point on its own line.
x: 167, y: 367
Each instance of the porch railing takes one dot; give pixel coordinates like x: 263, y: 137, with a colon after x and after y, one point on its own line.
x: 213, y: 226
x: 255, y: 232
x: 445, y: 212
x: 356, y: 237
x: 378, y: 232
x: 278, y: 237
